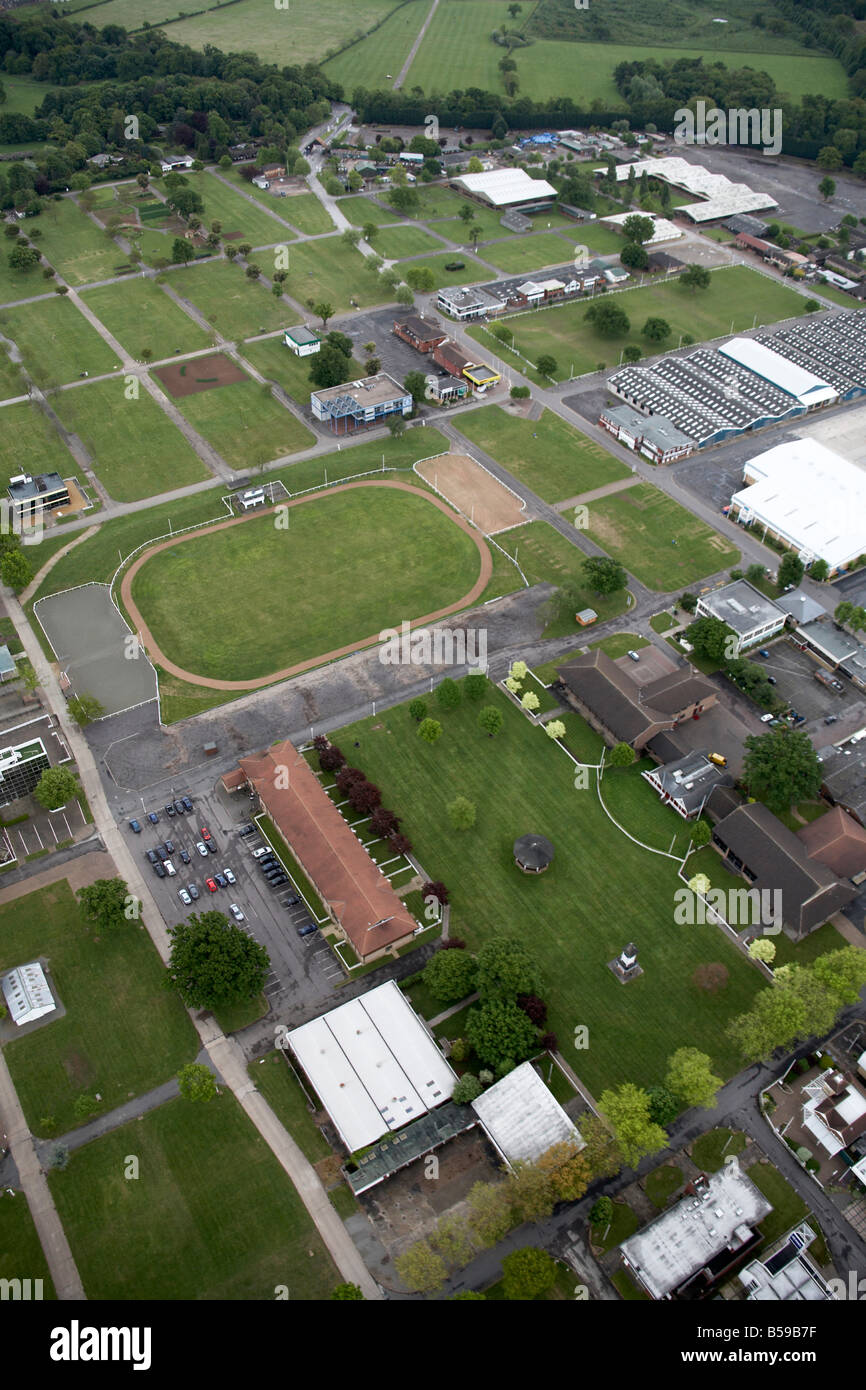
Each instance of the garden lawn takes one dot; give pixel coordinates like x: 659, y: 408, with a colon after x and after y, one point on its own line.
x: 123, y: 1033
x: 547, y: 454
x: 74, y: 245
x: 237, y: 307
x: 277, y: 1082
x: 546, y: 557
x: 788, y: 1207
x: 143, y: 318
x: 529, y: 252
x: 136, y: 449
x: 623, y: 1224
x: 359, y: 210
x: 21, y: 1254
x: 212, y: 1214
x: 331, y: 271
x: 662, y: 1183
x: 710, y: 1151
x: 571, y: 917
x: 237, y: 213
x: 56, y: 341
x: 245, y: 423
x: 348, y: 565
x: 29, y: 443
x: 638, y: 528
x: 278, y: 363
x: 397, y: 242
x: 735, y: 297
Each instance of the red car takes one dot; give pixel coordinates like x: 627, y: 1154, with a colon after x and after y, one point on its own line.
x: 205, y: 833
x: 211, y: 885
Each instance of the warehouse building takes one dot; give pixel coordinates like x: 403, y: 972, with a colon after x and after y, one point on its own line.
x: 508, y: 188
x: 833, y: 347
x: 810, y: 390
x: 720, y: 198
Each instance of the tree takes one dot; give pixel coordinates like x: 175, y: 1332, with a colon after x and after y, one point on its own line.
x: 324, y: 311
x: 701, y: 834
x: 370, y: 230
x: 819, y: 571
x: 396, y: 426
x: 601, y: 1149
x: 622, y: 755
x: 475, y: 685
x: 416, y: 384
x: 489, y: 1212
x: 633, y: 256
x: 695, y: 277
x: 498, y: 1029
x: 55, y: 788
x: 84, y: 709
x: 663, y: 1105
x: 781, y: 767
x: 448, y: 693
x: 452, y: 1237
x: 527, y: 1274
x: 347, y: 1293
x: 843, y: 972
x: 182, y: 251
x: 690, y: 1077
x: 29, y: 677
x: 450, y: 975
x: 505, y: 970
x: 330, y: 367
x: 601, y: 1212
x: 430, y: 730
x: 244, y: 248
x: 16, y: 570
x: 608, y: 319
x: 214, y: 963
x: 468, y: 1088
x: 404, y: 295
x: 196, y: 1082
x: 627, y: 1110
x: 554, y: 728
x: 468, y: 1296
x: 656, y: 329
x: 547, y: 365
x: 566, y: 1169
x: 829, y: 158
x: 637, y: 228
x: 252, y: 271
x: 490, y: 720
x: 421, y: 278
x: 827, y: 187
x: 384, y: 823
x: 103, y: 902
x: 436, y: 889
x: 791, y: 570
x: 756, y: 573
x: 351, y: 236
x: 603, y: 575
x: 417, y: 709
x: 711, y: 638
x: 420, y: 1268
x: 461, y: 813
x: 23, y: 257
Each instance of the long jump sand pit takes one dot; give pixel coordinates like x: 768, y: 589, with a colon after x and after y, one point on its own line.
x: 198, y: 374
x: 480, y: 496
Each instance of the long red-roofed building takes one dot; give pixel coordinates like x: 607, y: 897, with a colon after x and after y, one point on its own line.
x: 352, y: 887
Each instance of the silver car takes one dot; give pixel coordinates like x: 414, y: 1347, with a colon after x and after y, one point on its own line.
x: 236, y: 912
x: 184, y: 897
x: 202, y: 848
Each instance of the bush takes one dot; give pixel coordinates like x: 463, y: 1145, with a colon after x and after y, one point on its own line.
x: 474, y: 685
x: 468, y: 1088
x: 520, y: 393
x: 450, y: 975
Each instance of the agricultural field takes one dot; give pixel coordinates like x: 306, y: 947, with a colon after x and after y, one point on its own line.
x: 136, y: 449
x: 657, y: 540
x: 244, y: 423
x: 397, y: 242
x: 275, y: 361
x: 302, y: 34
x: 368, y: 63
x: 144, y: 319
x: 353, y: 562
x: 56, y: 341
x: 241, y: 218
x: 548, y: 455
x: 235, y: 306
x: 572, y: 916
x: 74, y: 245
x: 188, y: 1228
x: 123, y: 1033
x: 29, y: 443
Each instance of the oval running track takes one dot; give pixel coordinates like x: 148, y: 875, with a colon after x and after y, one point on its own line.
x: 159, y: 657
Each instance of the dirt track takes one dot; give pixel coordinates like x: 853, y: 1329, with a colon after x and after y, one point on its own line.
x: 159, y: 658
x: 479, y: 495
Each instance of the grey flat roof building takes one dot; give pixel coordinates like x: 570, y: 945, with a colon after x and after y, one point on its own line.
x: 654, y: 428
x: 743, y: 607
x: 801, y: 606
x: 825, y: 637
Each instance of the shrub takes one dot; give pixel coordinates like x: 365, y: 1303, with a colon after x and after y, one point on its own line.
x: 468, y: 1088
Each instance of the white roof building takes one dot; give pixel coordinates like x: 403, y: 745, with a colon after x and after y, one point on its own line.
x: 504, y: 187
x: 663, y: 230
x: 522, y: 1118
x: 808, y: 389
x: 26, y: 992
x: 721, y: 197
x: 373, y: 1065
x: 810, y: 497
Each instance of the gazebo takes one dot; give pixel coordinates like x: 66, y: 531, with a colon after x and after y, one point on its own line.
x: 533, y: 854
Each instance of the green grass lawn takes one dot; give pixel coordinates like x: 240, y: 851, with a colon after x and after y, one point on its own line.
x: 29, y: 443
x: 330, y: 271
x: 637, y: 527
x: 245, y: 423
x: 237, y: 213
x: 359, y: 210
x: 325, y: 560
x: 736, y: 296
x: 56, y: 341
x: 12, y: 383
x: 273, y: 1076
x: 142, y: 317
x: 74, y: 245
x: 302, y: 35
x: 546, y: 557
x: 136, y: 449
x: 662, y: 622
x: 573, y: 916
x: 623, y: 1224
x: 662, y: 1183
x: 212, y: 1214
x: 384, y: 52
x: 434, y: 201
x: 788, y: 1208
x: 305, y: 212
x: 618, y: 643
x: 472, y: 272
x: 529, y: 252
x: 237, y: 307
x: 711, y: 1149
x: 397, y: 242
x: 547, y: 454
x: 278, y: 363
x: 20, y: 284
x: 624, y: 1285
x: 21, y: 1255
x: 123, y: 1032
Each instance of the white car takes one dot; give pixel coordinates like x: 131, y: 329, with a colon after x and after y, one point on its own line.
x: 184, y: 897
x: 169, y: 868
x: 236, y: 912
x: 202, y: 848
x: 260, y: 853
x: 765, y: 718
x: 229, y: 876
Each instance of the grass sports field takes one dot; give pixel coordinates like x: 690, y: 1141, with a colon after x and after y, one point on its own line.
x: 236, y: 306
x: 397, y: 242
x: 530, y: 252
x: 122, y: 1033
x: 235, y: 212
x: 547, y: 454
x: 736, y: 297
x: 74, y: 245
x: 245, y: 423
x: 359, y: 210
x: 639, y: 527
x: 571, y: 917
x: 212, y: 1214
x: 21, y: 1255
x: 330, y: 271
x: 305, y: 212
x: 142, y: 317
x: 29, y: 443
x: 136, y: 449
x: 346, y: 566
x: 273, y: 359
x: 546, y: 557
x: 56, y: 341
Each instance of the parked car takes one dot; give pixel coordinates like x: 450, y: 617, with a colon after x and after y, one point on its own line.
x: 247, y: 829
x: 766, y: 718
x: 187, y: 804
x: 192, y: 889
x: 184, y: 897
x: 718, y: 758
x: 210, y: 883
x: 831, y: 719
x: 210, y: 846
x: 159, y: 870
x: 161, y: 853
x: 169, y: 846
x: 278, y: 881
x: 762, y: 651
x: 307, y: 929
x: 291, y: 902
x: 221, y: 880
x: 202, y: 848
x: 236, y: 912
x: 229, y: 876
x: 205, y: 834
x: 634, y: 656
x: 153, y: 817
x: 169, y: 809
x: 135, y: 827
x: 771, y: 680
x: 262, y: 851
x: 455, y: 265
x: 169, y: 868
x: 152, y: 855
x: 184, y: 856
x: 179, y: 807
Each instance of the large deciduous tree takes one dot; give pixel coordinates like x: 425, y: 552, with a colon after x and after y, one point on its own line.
x: 781, y: 767
x: 104, y: 903
x: 497, y: 1029
x: 628, y: 1111
x: 690, y: 1077
x: 55, y: 787
x: 505, y: 970
x: 450, y: 975
x: 214, y: 963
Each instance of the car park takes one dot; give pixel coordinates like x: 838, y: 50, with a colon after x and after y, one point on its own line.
x: 152, y: 855
x: 159, y: 870
x: 210, y: 846
x: 168, y: 846
x: 210, y: 884
x: 307, y: 929
x: 192, y: 889
x: 236, y: 912
x: 184, y: 897
x: 202, y: 848
x: 161, y: 853
x: 184, y: 856
x: 179, y: 807
x: 187, y: 804
x: 229, y: 876
x: 153, y: 817
x: 169, y: 809
x: 221, y: 880
x: 169, y: 868
x: 135, y: 827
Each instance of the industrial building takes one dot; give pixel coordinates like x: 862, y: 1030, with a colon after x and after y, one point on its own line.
x: 508, y: 188
x: 719, y: 196
x: 651, y: 435
x: 357, y: 405
x: 832, y: 347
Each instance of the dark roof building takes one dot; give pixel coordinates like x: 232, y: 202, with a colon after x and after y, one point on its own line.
x: 685, y: 785
x: 623, y: 712
x: 533, y: 853
x: 843, y: 777
x: 448, y: 355
x: 771, y: 857
x: 663, y: 260
x: 420, y: 333
x: 40, y: 493
x: 837, y: 841
x: 752, y: 226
